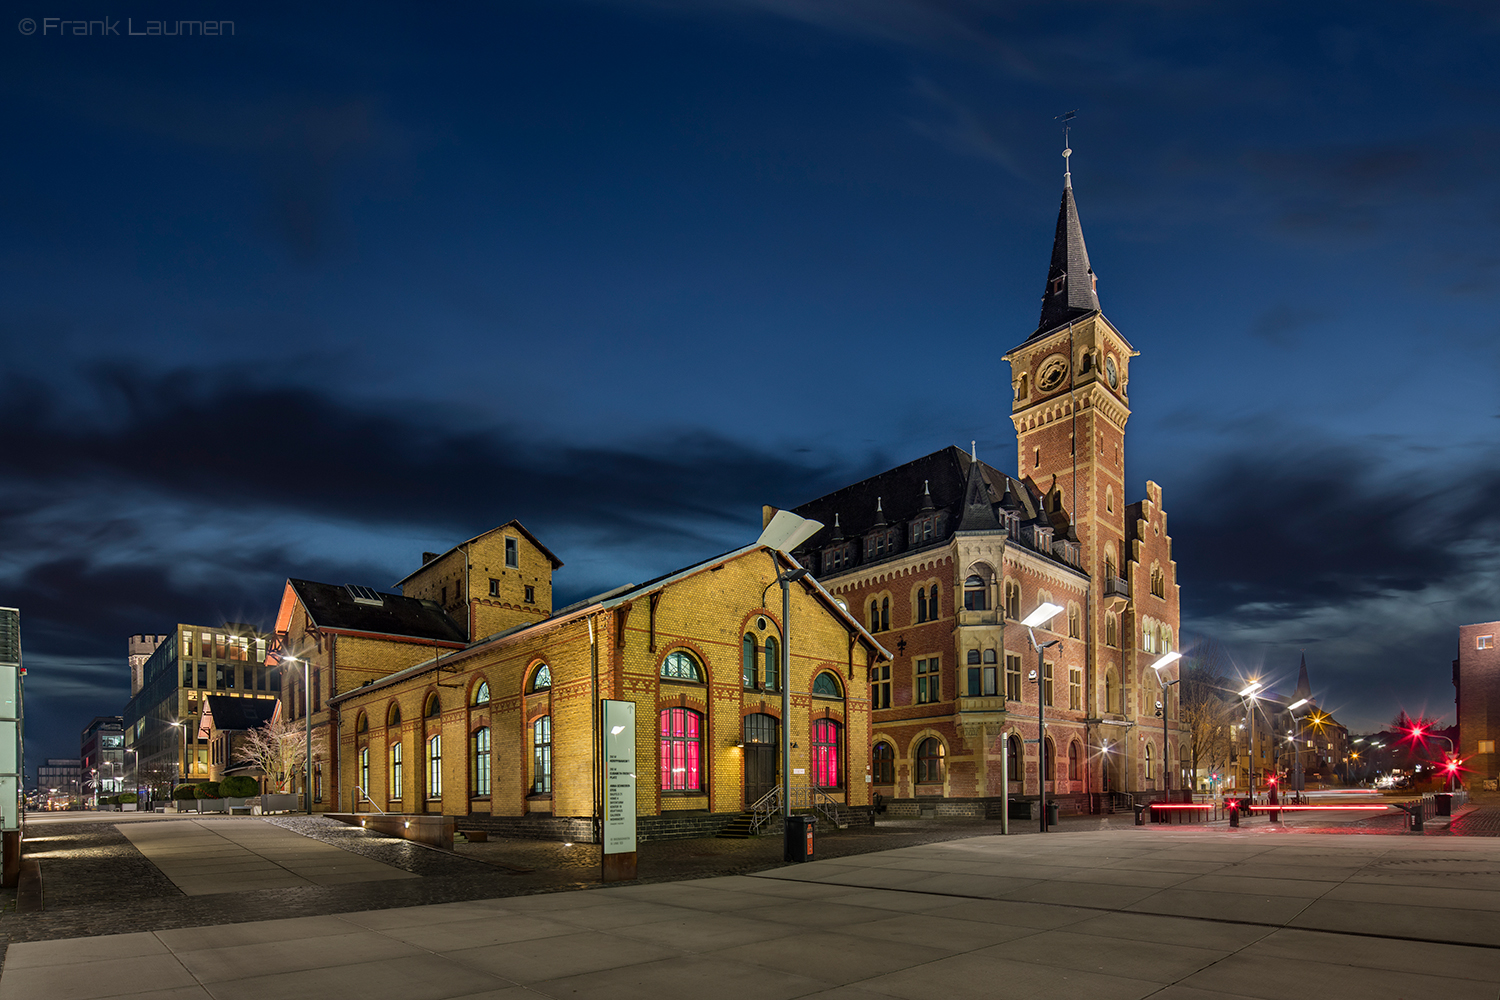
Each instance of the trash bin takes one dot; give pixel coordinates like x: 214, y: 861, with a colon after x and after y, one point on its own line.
x: 1444, y: 803
x: 799, y: 837
x: 1140, y: 815
x: 1415, y: 812
x: 1052, y: 812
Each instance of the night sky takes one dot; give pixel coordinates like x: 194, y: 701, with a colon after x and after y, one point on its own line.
x: 352, y: 284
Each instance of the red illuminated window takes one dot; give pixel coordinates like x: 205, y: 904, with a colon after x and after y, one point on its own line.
x: 681, y: 750
x: 826, y: 738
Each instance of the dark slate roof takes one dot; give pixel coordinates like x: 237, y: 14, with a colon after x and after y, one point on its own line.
x: 231, y: 712
x: 332, y: 606
x: 1070, y: 260
x: 899, y: 491
x: 1304, y: 687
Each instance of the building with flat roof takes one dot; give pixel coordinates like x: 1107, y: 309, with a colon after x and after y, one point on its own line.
x: 163, y: 740
x: 1476, y: 683
x: 101, y: 751
x: 59, y: 782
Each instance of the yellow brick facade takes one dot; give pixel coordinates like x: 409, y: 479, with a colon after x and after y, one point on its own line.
x: 612, y: 649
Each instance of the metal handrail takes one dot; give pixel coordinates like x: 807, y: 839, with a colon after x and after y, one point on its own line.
x: 366, y: 796
x: 766, y: 808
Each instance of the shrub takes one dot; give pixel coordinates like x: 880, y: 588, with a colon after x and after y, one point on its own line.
x: 239, y: 786
x: 107, y: 800
x: 126, y: 798
x: 208, y: 790
x: 185, y: 793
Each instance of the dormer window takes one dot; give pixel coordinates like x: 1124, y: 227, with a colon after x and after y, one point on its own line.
x: 1059, y: 283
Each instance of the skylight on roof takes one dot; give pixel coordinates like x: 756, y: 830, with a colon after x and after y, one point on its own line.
x: 364, y: 595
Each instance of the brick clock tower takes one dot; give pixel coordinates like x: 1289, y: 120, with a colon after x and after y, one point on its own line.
x: 1069, y: 406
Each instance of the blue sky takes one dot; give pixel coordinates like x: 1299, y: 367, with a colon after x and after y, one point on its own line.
x: 361, y: 282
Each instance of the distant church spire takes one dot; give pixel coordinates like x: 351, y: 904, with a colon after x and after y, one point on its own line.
x: 1304, y: 688
x: 1070, y: 291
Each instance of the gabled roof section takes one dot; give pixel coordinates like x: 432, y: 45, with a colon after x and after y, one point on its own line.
x: 623, y: 595
x: 332, y: 606
x: 979, y: 505
x: 515, y: 526
x: 1070, y: 290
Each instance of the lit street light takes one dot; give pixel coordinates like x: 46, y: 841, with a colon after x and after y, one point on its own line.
x: 1166, y: 660
x: 1045, y: 612
x: 307, y: 713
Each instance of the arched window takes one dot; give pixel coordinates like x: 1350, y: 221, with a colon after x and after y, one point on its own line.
x: 921, y: 604
x: 1013, y: 760
x: 747, y: 660
x: 827, y: 738
x: 541, y: 756
x: 1074, y: 766
x: 680, y: 666
x: 482, y: 693
x: 364, y: 772
x: 930, y: 761
x: 393, y: 717
x: 1149, y: 773
x: 1109, y: 499
x: 874, y: 616
x: 681, y: 750
x: 989, y: 656
x: 825, y: 685
x: 435, y: 766
x: 395, y: 788
x: 883, y: 763
x: 434, y: 708
x: 1013, y: 600
x: 1111, y: 631
x: 1074, y: 623
x: 362, y: 725
x: 976, y: 593
x: 932, y: 604
x: 479, y: 761
x: 973, y: 656
x: 1049, y: 759
x: 773, y: 664
x: 541, y: 678
x: 1109, y: 566
x: 1109, y: 692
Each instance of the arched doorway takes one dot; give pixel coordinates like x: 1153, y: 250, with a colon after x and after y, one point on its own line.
x: 762, y: 743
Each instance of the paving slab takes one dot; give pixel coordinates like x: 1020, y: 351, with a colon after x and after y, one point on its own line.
x: 1248, y: 926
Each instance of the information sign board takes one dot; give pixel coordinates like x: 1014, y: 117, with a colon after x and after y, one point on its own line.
x: 619, y: 776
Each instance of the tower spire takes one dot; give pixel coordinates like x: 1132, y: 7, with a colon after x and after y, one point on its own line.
x: 1070, y: 291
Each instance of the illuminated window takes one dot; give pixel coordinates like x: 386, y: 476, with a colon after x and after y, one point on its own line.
x: 1075, y: 689
x: 479, y: 760
x: 435, y: 766
x: 541, y: 678
x: 827, y: 738
x: 395, y: 791
x: 1047, y: 684
x: 541, y: 756
x: 1484, y: 642
x: 482, y: 693
x: 681, y: 750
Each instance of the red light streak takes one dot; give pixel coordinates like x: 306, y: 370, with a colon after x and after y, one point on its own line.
x: 1369, y: 808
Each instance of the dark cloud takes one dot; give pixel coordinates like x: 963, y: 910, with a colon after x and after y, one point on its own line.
x: 1286, y: 532
x: 1279, y: 325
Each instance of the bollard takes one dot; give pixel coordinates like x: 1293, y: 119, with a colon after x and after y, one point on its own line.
x: 1140, y: 815
x: 1415, y: 812
x: 1234, y: 813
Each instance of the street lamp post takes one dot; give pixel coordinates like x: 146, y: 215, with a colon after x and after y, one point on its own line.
x: 1166, y: 660
x: 1248, y: 693
x: 1297, y: 746
x: 182, y: 770
x: 784, y: 533
x: 1044, y: 612
x: 307, y: 714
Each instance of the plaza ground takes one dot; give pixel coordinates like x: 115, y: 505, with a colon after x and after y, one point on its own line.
x: 912, y: 910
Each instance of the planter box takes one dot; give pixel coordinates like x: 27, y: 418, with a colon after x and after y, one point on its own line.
x: 127, y: 807
x: 210, y: 805
x: 274, y: 803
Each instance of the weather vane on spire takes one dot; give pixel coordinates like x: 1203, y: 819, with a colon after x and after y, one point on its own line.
x: 1067, y: 149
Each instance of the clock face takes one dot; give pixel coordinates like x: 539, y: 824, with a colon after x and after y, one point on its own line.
x: 1111, y: 373
x: 1052, y: 373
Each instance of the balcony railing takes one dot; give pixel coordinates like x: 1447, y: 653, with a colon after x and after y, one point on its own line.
x: 1115, y: 586
x: 990, y: 617
x: 982, y: 703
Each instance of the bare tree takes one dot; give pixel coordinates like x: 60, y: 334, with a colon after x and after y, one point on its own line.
x: 1207, y: 712
x: 278, y: 748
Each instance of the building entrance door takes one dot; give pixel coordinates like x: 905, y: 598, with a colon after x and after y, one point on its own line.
x: 762, y: 743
